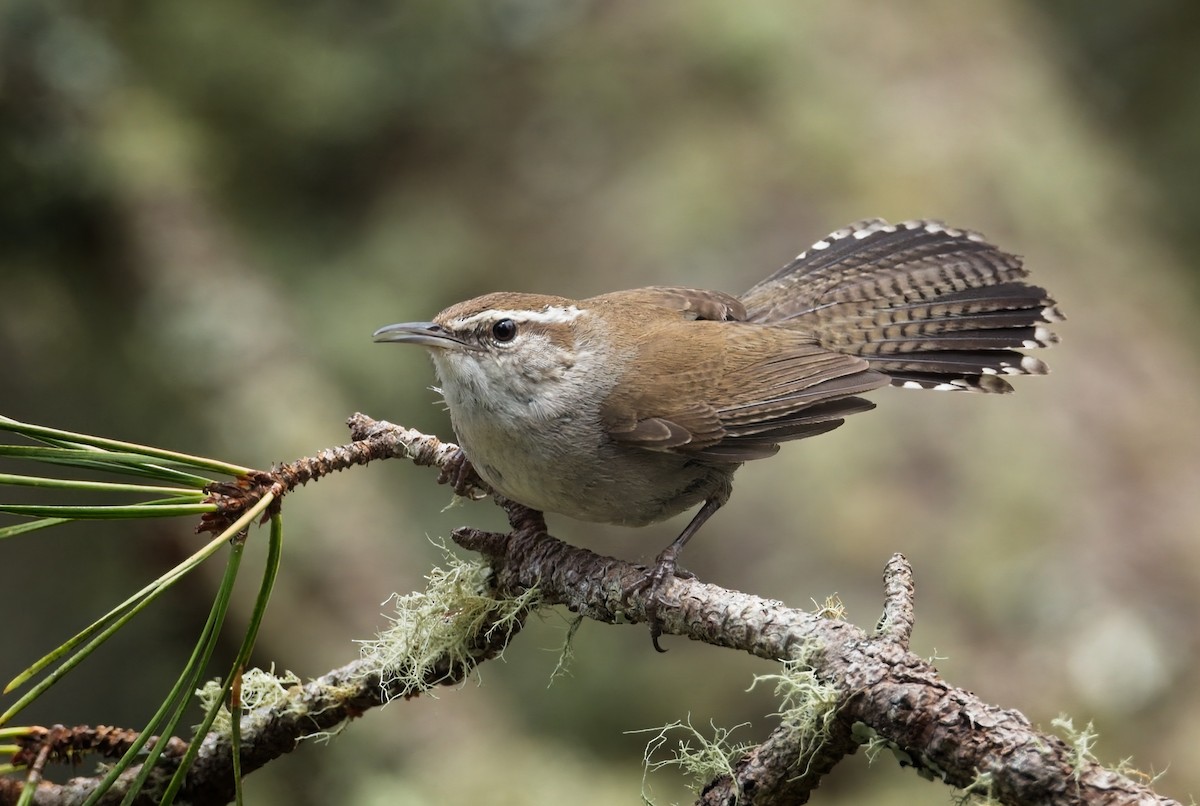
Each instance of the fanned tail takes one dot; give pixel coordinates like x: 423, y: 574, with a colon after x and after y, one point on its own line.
x: 930, y: 306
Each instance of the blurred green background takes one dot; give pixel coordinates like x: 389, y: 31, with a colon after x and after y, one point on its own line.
x: 207, y: 208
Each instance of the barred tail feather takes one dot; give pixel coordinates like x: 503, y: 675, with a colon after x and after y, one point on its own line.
x: 930, y: 306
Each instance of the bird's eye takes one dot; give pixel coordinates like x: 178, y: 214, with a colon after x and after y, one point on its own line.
x: 504, y: 331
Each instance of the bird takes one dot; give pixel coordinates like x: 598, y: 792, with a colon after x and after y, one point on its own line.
x: 633, y: 406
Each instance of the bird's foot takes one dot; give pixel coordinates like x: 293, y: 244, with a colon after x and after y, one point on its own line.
x: 459, y: 473
x: 651, y: 586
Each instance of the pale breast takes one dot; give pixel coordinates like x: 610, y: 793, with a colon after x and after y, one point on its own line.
x: 551, y: 466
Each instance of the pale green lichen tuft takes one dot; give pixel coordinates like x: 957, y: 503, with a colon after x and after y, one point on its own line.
x: 980, y: 792
x: 1082, y: 741
x: 833, y: 609
x: 259, y: 689
x: 872, y: 743
x: 437, y: 628
x: 567, y: 653
x: 1126, y: 767
x: 806, y: 710
x: 699, y: 757
x: 807, y: 705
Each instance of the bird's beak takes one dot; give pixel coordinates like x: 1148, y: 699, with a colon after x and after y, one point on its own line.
x: 427, y: 334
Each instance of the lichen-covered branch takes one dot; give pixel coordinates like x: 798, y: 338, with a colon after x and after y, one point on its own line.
x: 874, y: 690
x: 438, y: 637
x: 887, y: 693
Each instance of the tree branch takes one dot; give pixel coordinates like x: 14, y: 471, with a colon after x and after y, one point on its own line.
x: 885, y: 691
x: 883, y: 694
x: 273, y: 730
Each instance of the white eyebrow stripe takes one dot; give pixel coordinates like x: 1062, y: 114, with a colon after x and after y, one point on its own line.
x: 553, y: 315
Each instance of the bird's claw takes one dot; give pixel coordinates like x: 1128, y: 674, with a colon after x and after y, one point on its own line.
x: 460, y: 474
x: 651, y: 586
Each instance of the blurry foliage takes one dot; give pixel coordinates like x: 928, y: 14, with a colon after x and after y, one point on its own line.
x: 1130, y: 64
x: 206, y: 209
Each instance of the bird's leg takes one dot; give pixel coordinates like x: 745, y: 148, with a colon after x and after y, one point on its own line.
x: 665, y: 567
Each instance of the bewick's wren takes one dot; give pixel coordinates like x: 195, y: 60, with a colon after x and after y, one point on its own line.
x: 633, y: 406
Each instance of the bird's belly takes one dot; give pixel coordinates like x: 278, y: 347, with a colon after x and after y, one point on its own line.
x: 550, y: 470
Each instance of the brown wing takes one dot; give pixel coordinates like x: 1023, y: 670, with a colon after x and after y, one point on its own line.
x: 752, y: 388
x: 695, y: 303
